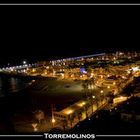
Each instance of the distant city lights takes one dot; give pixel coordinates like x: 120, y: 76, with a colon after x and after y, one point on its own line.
x: 69, y: 112
x: 24, y: 62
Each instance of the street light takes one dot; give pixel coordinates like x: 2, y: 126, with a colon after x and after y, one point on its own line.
x: 93, y: 97
x: 114, y: 83
x: 35, y: 129
x: 101, y: 91
x: 108, y: 86
x: 121, y: 97
x: 33, y: 70
x: 53, y: 120
x: 34, y: 125
x: 81, y: 104
x: 69, y: 112
x: 24, y: 62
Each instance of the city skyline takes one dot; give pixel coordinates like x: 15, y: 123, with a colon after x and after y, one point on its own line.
x: 61, y: 49
x: 67, y: 93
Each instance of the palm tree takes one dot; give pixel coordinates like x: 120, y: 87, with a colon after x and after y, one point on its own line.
x: 79, y: 116
x: 111, y: 97
x: 85, y: 86
x: 91, y: 82
x: 86, y: 110
x: 65, y: 123
x: 89, y: 70
x: 91, y: 103
x: 71, y: 119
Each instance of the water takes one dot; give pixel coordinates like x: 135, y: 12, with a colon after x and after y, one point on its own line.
x: 11, y: 85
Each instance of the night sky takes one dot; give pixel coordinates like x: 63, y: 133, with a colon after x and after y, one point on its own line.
x: 41, y: 33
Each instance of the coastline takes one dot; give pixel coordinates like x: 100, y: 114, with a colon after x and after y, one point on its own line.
x: 29, y: 77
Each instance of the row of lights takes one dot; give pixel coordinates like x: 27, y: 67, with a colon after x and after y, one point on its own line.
x: 71, y: 111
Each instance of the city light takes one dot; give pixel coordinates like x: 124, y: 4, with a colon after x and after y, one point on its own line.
x: 123, y: 77
x: 33, y: 70
x: 62, y: 75
x: 24, y: 62
x: 34, y: 125
x: 35, y: 129
x: 91, y: 75
x: 69, y: 112
x: 114, y: 83
x: 128, y: 71
x: 101, y: 76
x: 101, y: 91
x: 94, y: 92
x: 121, y: 97
x: 108, y: 86
x: 93, y: 97
x: 81, y: 104
x: 135, y: 69
x: 53, y: 120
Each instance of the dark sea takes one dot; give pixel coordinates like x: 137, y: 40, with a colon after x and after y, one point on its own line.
x: 13, y: 93
x: 12, y: 85
x: 13, y: 99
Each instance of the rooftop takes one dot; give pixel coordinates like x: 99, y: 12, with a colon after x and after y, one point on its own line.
x: 74, y: 107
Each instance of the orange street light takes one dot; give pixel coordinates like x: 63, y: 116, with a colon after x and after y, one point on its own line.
x: 69, y: 112
x: 101, y: 91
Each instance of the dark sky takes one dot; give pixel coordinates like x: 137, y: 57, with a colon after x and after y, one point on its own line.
x: 38, y: 33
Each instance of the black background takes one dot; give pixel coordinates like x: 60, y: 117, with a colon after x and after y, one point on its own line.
x: 49, y: 32
x: 72, y: 1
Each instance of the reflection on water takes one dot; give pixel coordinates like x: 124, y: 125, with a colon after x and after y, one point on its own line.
x: 10, y: 85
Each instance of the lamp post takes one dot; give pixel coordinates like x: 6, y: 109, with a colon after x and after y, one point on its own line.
x: 69, y: 112
x: 24, y: 62
x: 53, y: 120
x: 101, y: 91
x: 34, y: 125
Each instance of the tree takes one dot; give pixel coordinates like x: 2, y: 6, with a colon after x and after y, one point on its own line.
x: 79, y: 116
x: 71, y: 119
x: 85, y: 86
x: 89, y: 70
x: 65, y: 123
x: 91, y: 83
x: 88, y: 85
x: 86, y: 109
x: 111, y: 97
